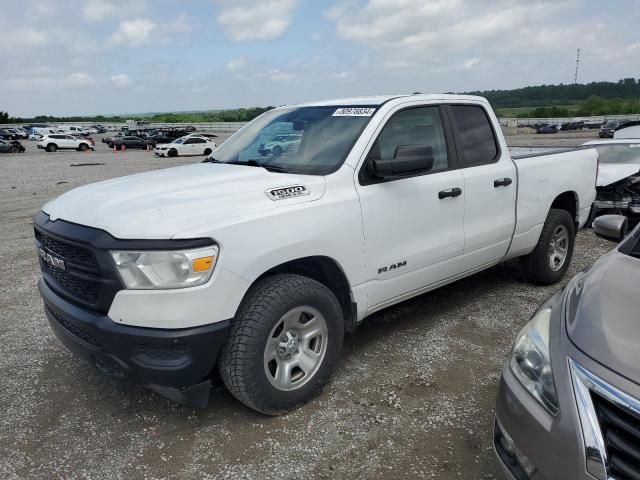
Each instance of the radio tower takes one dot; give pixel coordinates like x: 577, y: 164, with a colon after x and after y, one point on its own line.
x: 575, y: 77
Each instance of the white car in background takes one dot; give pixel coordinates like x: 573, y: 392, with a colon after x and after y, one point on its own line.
x: 58, y: 141
x: 280, y: 144
x: 187, y: 145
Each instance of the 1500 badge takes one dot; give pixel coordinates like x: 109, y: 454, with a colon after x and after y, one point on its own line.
x: 393, y: 266
x: 282, y: 193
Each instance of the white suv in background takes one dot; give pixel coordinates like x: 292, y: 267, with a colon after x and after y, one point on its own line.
x: 188, y: 145
x: 51, y: 143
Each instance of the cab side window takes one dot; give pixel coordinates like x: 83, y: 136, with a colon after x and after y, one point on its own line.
x: 475, y: 135
x: 414, y: 126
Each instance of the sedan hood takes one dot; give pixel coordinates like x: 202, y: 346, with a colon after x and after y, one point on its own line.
x: 162, y: 203
x: 606, y: 325
x: 612, y: 173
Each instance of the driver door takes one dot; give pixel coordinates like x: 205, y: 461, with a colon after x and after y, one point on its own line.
x: 413, y: 225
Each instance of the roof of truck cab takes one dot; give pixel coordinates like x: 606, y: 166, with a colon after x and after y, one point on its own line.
x: 380, y: 99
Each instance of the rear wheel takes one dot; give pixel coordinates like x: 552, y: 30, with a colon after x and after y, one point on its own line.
x: 284, y: 343
x: 15, y: 149
x: 550, y: 260
x: 52, y: 147
x: 277, y: 150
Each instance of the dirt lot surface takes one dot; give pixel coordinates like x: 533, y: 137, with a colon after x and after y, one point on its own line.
x: 412, y: 398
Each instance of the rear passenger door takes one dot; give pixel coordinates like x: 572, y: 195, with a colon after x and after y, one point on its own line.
x: 413, y: 225
x: 489, y: 185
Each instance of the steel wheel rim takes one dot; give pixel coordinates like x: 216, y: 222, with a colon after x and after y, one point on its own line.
x: 296, y: 347
x: 558, y: 248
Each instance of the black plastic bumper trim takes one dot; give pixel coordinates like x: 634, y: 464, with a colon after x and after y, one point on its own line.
x: 164, y: 358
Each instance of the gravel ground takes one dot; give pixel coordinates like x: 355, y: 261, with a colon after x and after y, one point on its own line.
x: 412, y: 397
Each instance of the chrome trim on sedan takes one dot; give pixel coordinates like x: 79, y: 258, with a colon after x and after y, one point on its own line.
x: 585, y: 382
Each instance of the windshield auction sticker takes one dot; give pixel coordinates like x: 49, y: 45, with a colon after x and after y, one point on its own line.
x: 354, y: 112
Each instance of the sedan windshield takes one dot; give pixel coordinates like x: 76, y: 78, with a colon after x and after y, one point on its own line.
x: 305, y: 140
x: 619, y: 153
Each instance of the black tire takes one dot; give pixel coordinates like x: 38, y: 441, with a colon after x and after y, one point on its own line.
x: 15, y: 149
x: 172, y: 153
x: 242, y: 359
x: 52, y: 147
x: 207, y: 151
x: 537, y: 265
x: 83, y: 147
x: 277, y: 150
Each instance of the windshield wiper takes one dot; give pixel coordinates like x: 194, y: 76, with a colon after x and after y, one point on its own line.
x: 267, y: 166
x: 250, y: 163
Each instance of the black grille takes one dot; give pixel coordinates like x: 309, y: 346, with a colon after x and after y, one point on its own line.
x: 72, y: 328
x: 67, y: 251
x: 86, y: 289
x: 621, y: 432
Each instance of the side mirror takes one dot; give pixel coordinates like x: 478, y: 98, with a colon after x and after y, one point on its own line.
x: 408, y: 160
x: 611, y: 227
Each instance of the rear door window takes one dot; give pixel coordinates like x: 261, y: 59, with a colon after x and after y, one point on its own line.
x: 475, y: 135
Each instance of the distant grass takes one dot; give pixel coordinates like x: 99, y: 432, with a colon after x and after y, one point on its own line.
x: 516, y: 111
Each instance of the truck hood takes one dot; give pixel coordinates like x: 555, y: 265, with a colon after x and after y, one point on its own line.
x: 606, y: 325
x: 161, y: 203
x: 612, y: 173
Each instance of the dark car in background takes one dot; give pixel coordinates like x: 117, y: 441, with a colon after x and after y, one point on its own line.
x: 8, y: 134
x: 131, y: 142
x: 568, y: 405
x: 609, y: 128
x: 567, y: 126
x: 547, y: 129
x: 11, y: 146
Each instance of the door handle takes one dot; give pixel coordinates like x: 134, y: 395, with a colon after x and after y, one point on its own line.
x: 502, y: 182
x: 452, y: 192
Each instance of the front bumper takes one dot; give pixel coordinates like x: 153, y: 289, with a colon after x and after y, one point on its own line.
x: 176, y: 363
x: 551, y: 445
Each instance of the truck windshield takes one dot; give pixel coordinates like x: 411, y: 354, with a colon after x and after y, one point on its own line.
x: 619, y: 153
x: 304, y: 140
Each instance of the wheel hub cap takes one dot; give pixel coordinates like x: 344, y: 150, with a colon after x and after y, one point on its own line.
x: 288, y: 344
x: 295, y: 348
x: 558, y: 248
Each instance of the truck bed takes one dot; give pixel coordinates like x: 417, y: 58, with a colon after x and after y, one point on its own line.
x: 542, y: 177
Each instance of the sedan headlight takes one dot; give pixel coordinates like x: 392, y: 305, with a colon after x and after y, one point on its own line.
x: 148, y: 270
x: 530, y: 361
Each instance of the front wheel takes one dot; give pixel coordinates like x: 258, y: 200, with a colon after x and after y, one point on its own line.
x: 207, y: 151
x: 52, y: 147
x: 15, y: 149
x: 283, y: 345
x: 172, y: 153
x: 83, y: 147
x: 550, y: 260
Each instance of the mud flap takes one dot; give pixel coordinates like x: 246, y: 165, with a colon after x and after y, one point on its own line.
x: 195, y: 396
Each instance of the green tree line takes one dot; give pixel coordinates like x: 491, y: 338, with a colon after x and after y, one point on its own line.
x: 558, y: 95
x: 236, y: 115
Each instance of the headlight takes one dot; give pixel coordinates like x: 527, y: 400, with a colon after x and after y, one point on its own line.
x: 530, y: 360
x: 147, y: 270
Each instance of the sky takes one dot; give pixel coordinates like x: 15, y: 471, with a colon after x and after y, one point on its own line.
x: 68, y: 57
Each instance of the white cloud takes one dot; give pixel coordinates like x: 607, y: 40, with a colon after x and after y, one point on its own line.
x: 121, y: 80
x: 236, y: 64
x: 98, y: 10
x: 245, y: 20
x: 24, y: 37
x: 471, y: 63
x: 181, y: 24
x: 133, y: 33
x: 79, y: 79
x: 143, y: 32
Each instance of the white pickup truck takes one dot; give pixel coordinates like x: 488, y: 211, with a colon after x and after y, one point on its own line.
x: 259, y: 264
